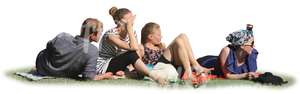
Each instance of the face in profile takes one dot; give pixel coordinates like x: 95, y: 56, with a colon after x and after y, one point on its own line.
x: 247, y: 47
x: 96, y: 35
x: 99, y: 33
x: 155, y: 36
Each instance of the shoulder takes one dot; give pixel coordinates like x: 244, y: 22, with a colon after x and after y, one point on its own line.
x: 224, y: 54
x: 225, y: 50
x: 112, y: 31
x: 63, y: 35
x: 61, y: 40
x: 92, y: 50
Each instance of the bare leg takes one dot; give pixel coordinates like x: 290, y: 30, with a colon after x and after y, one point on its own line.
x: 177, y: 52
x: 192, y: 59
x: 187, y: 46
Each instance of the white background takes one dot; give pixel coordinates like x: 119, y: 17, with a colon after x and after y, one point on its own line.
x: 27, y: 25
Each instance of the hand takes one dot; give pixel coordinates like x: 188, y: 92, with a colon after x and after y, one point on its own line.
x: 161, y: 82
x: 107, y: 75
x: 130, y: 21
x: 252, y: 75
x: 158, y: 79
x: 207, y: 70
x: 203, y: 70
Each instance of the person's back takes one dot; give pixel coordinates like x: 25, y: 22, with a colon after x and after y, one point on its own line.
x: 66, y: 56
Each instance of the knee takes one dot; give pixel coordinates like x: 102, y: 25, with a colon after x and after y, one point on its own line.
x: 183, y: 36
x: 179, y: 41
x: 133, y: 56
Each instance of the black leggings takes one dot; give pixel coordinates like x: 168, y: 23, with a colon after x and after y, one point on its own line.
x: 122, y: 61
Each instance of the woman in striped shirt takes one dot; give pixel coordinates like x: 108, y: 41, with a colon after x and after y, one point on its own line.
x: 119, y: 47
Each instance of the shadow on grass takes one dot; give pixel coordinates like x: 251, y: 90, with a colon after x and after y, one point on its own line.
x: 145, y: 83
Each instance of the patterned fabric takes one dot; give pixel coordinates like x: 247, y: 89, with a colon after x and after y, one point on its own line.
x: 152, y: 56
x: 239, y: 37
x: 102, y: 64
x: 107, y: 51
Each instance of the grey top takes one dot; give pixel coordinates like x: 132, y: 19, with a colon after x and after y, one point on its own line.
x: 68, y: 56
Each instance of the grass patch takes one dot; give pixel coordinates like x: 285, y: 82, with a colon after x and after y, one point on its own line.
x: 145, y: 83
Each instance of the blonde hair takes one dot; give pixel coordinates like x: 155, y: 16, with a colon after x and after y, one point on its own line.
x: 146, y: 30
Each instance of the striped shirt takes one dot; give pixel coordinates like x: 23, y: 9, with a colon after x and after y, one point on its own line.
x: 107, y: 51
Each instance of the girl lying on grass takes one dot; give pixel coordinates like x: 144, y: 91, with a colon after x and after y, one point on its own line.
x: 236, y: 60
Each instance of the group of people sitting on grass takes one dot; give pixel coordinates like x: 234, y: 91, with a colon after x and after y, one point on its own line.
x: 120, y: 53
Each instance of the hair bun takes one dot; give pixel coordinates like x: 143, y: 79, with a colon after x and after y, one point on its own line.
x: 113, y: 10
x: 229, y: 38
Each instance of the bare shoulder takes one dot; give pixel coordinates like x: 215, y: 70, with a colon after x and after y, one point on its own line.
x: 113, y: 37
x: 225, y: 50
x: 224, y: 53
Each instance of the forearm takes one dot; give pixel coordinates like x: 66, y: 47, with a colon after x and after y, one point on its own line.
x: 103, y: 76
x: 236, y: 76
x: 133, y: 41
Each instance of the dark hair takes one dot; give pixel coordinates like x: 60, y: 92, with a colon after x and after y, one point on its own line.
x: 90, y: 26
x: 118, y: 14
x: 146, y: 30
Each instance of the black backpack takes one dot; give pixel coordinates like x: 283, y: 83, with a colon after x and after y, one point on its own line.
x: 269, y: 78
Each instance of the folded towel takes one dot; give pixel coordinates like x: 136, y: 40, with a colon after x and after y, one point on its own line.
x: 33, y: 76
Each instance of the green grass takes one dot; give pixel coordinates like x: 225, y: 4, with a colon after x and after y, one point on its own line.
x: 145, y: 83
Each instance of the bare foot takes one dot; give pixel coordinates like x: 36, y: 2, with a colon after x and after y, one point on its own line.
x: 158, y: 79
x: 200, y: 70
x: 186, y: 75
x: 200, y: 78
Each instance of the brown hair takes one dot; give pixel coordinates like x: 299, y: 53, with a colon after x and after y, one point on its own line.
x: 148, y: 29
x: 89, y: 26
x: 118, y: 14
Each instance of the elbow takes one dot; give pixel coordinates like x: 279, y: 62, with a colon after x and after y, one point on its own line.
x: 227, y: 76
